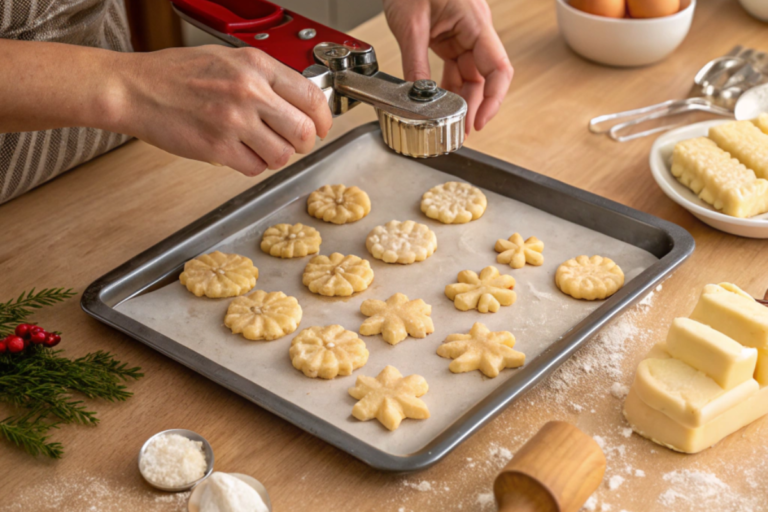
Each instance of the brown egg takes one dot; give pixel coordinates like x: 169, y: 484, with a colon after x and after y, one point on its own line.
x: 609, y: 8
x: 652, y: 8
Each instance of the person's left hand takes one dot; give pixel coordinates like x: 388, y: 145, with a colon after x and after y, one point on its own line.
x: 461, y: 33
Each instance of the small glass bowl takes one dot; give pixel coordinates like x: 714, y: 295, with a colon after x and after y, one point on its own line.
x: 192, y: 436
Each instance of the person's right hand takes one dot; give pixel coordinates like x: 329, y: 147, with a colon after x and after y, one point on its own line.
x: 235, y: 107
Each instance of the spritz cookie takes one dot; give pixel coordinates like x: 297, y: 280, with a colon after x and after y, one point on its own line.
x: 481, y: 349
x: 327, y: 352
x: 401, y: 242
x: 517, y: 252
x: 338, y: 204
x: 218, y: 275
x: 337, y: 275
x: 589, y: 278
x: 397, y: 318
x: 486, y: 292
x: 263, y: 316
x: 390, y: 397
x: 454, y: 203
x: 290, y: 240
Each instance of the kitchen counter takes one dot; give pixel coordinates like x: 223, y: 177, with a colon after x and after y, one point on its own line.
x: 83, y: 224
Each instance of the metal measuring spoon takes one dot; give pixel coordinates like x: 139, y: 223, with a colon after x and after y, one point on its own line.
x: 192, y: 436
x: 752, y: 103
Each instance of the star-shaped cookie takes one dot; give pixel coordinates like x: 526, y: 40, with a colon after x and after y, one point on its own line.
x: 517, y: 252
x: 390, y: 397
x: 486, y: 292
x: 397, y: 318
x: 481, y: 349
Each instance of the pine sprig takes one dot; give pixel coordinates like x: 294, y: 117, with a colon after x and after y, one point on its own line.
x: 31, y: 435
x: 16, y: 311
x: 43, y: 383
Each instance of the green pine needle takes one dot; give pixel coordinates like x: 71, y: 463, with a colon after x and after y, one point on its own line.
x: 41, y: 382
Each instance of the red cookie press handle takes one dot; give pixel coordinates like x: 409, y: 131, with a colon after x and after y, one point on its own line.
x: 265, y: 26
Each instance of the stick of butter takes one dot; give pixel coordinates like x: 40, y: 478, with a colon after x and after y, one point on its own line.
x: 724, y: 360
x: 684, y: 393
x: 745, y: 142
x: 733, y: 314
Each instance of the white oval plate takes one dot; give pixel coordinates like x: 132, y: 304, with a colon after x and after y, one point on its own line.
x: 660, y: 161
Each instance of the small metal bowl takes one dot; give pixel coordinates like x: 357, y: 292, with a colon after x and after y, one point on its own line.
x: 192, y: 436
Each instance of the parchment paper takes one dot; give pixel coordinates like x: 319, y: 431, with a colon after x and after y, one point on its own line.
x: 541, y: 315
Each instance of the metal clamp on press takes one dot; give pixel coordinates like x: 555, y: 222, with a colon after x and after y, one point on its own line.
x: 418, y: 119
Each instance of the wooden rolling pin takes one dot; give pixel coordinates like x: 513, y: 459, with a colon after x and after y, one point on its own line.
x: 557, y: 470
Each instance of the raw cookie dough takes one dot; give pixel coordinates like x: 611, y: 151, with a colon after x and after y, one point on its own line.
x: 327, y: 352
x: 454, y: 203
x: 589, y: 278
x: 481, y: 349
x: 389, y: 397
x: 337, y: 275
x: 338, y: 204
x: 486, y: 292
x: 397, y: 318
x: 517, y: 252
x: 218, y: 275
x: 263, y: 316
x: 290, y: 241
x: 401, y: 242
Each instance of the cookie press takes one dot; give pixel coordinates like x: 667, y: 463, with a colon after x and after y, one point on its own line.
x: 418, y: 119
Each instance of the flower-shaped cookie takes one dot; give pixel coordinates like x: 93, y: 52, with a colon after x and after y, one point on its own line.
x: 401, y: 242
x: 263, y: 316
x: 397, y: 318
x: 337, y: 275
x: 290, y: 241
x: 390, y: 397
x: 589, y: 278
x: 517, y: 252
x: 217, y: 275
x: 454, y: 203
x: 485, y: 292
x: 481, y: 349
x: 327, y: 352
x: 338, y: 204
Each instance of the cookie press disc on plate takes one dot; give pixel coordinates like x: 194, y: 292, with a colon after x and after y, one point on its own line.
x: 418, y: 119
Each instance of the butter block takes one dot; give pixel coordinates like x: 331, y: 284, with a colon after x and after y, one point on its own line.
x: 761, y: 370
x: 684, y: 393
x: 665, y: 431
x: 745, y: 142
x: 724, y: 360
x: 733, y: 314
x: 718, y: 179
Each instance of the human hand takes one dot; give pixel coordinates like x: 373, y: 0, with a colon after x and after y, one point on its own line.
x: 461, y: 33
x: 235, y: 107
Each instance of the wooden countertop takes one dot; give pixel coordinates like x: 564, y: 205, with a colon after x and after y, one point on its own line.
x: 85, y: 223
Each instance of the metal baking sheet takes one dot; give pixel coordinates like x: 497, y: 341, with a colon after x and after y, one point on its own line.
x: 144, y: 299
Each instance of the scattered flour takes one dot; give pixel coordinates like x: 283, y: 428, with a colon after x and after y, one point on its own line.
x: 639, y: 473
x: 422, y: 486
x: 486, y: 501
x: 615, y: 482
x: 626, y: 432
x: 689, y: 489
x: 591, y: 504
x: 619, y: 390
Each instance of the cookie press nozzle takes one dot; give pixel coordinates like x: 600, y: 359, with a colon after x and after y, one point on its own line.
x: 418, y: 119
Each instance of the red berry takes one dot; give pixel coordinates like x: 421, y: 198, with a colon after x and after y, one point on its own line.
x: 2, y: 346
x: 23, y: 330
x: 52, y: 340
x: 38, y: 337
x: 15, y: 344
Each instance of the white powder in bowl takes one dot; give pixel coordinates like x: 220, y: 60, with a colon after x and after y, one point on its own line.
x: 172, y: 460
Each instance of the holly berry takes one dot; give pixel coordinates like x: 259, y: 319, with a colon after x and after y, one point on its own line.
x: 37, y: 337
x: 22, y: 330
x: 14, y: 344
x: 3, y: 348
x: 52, y: 340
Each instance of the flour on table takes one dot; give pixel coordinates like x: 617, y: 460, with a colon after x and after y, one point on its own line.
x: 688, y: 489
x: 615, y: 482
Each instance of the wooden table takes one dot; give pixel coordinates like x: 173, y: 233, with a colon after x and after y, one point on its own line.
x: 83, y: 224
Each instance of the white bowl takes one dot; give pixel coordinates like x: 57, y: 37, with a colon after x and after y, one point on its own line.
x: 622, y: 41
x: 757, y: 8
x: 661, y: 156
